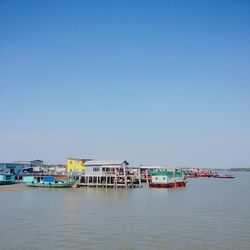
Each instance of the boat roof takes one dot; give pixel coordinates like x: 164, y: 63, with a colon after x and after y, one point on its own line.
x: 177, y: 173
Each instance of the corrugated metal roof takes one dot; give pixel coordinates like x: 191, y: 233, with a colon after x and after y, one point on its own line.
x: 168, y: 173
x: 104, y: 162
x: 23, y: 162
x: 78, y: 159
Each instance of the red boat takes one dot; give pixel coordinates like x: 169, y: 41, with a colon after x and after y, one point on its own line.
x: 227, y: 176
x: 204, y: 174
x: 167, y: 185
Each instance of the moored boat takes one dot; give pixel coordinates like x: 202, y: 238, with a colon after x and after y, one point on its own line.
x: 7, y: 179
x: 205, y: 174
x: 226, y: 176
x: 48, y: 181
x: 167, y: 179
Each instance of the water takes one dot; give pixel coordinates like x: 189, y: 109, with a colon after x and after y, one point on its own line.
x: 207, y: 214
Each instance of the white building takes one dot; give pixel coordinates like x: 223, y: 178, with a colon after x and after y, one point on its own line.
x: 99, y: 168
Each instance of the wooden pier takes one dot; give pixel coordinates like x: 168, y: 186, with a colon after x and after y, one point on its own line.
x: 114, y: 179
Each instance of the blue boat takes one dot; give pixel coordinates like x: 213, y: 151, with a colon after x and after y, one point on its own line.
x: 7, y: 179
x: 48, y: 181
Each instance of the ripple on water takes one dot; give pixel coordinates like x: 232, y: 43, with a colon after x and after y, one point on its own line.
x: 208, y: 214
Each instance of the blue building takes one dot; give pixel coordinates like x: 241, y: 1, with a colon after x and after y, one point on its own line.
x: 19, y: 167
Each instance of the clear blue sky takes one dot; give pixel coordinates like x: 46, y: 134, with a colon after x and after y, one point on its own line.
x: 153, y: 82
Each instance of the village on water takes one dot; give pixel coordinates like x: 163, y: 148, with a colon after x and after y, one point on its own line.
x: 98, y: 173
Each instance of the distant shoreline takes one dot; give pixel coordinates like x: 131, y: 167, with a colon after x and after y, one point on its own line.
x: 240, y: 169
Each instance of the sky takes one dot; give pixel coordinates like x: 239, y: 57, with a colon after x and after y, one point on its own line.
x: 160, y: 82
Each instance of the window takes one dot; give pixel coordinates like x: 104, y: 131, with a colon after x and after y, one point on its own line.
x: 96, y: 169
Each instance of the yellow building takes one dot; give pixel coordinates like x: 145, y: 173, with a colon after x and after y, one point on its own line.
x: 75, y: 165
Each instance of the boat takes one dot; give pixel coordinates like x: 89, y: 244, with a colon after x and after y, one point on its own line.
x: 48, y: 181
x: 167, y: 179
x: 226, y: 176
x: 205, y: 174
x: 7, y: 179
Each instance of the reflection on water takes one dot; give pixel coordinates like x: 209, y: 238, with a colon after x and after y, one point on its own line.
x: 207, y: 214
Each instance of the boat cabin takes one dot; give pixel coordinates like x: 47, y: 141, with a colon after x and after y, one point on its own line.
x: 167, y: 179
x: 6, y: 179
x: 39, y: 179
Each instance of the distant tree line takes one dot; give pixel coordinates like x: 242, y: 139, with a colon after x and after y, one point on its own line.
x: 240, y: 169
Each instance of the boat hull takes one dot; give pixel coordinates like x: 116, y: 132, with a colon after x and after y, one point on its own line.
x: 7, y: 182
x: 225, y: 177
x: 167, y: 185
x: 53, y: 185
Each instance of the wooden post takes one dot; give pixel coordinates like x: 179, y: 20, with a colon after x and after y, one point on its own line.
x: 175, y: 185
x: 140, y: 178
x: 125, y: 178
x: 147, y: 175
x: 115, y: 180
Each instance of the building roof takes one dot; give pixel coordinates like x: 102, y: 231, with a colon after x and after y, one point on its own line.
x: 22, y: 162
x: 105, y: 163
x: 78, y: 159
x: 37, y: 160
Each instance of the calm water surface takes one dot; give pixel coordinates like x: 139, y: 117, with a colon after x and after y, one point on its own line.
x: 207, y: 214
